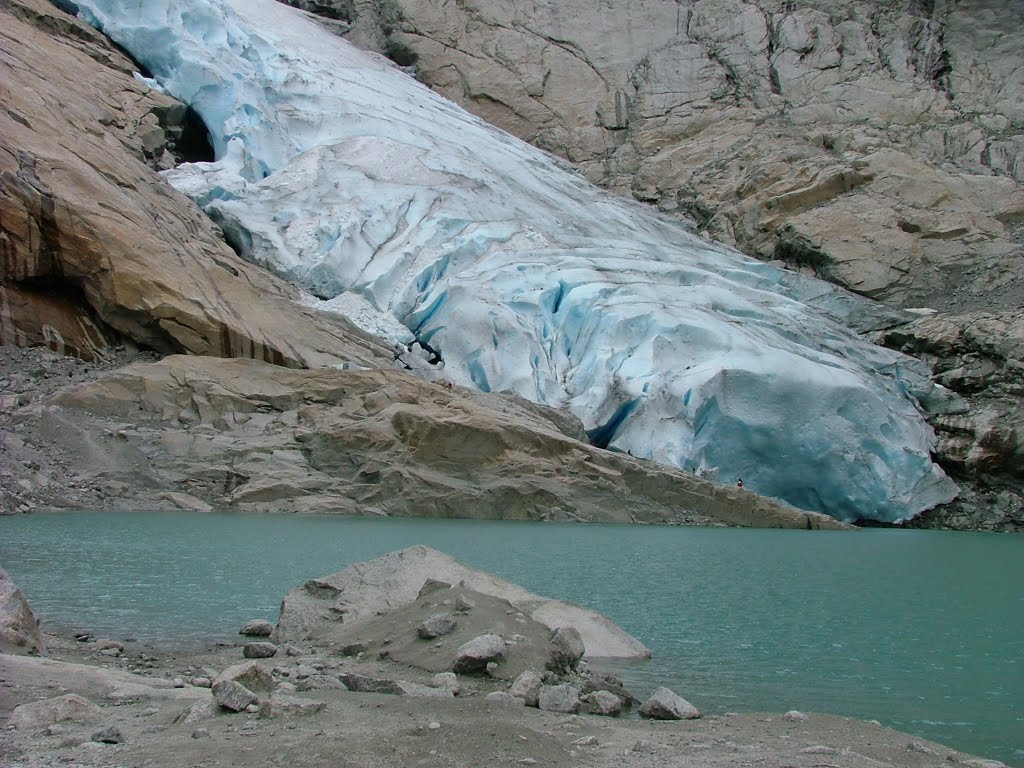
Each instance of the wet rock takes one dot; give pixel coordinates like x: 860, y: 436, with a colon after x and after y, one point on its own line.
x: 475, y: 655
x: 566, y: 649
x: 435, y: 626
x: 663, y: 704
x: 559, y: 698
x: 601, y: 703
x: 257, y: 628
x: 232, y: 695
x: 527, y: 687
x: 259, y: 650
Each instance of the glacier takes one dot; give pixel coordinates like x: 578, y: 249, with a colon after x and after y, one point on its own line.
x: 347, y: 176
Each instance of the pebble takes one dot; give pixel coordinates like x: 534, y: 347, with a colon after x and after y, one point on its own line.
x: 434, y: 726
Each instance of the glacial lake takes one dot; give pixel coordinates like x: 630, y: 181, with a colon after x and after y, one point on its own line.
x: 921, y: 630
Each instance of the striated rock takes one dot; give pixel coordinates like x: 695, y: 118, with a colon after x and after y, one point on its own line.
x: 566, y: 649
x: 877, y: 145
x: 355, y: 441
x: 19, y: 628
x: 663, y: 704
x: 97, y: 247
x: 60, y: 709
x: 559, y: 698
x: 475, y: 655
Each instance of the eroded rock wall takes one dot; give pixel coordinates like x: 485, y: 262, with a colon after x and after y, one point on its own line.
x: 878, y: 145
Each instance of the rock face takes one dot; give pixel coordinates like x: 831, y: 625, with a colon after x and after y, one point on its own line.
x: 879, y: 145
x: 364, y: 589
x: 19, y: 628
x: 262, y: 437
x: 96, y: 247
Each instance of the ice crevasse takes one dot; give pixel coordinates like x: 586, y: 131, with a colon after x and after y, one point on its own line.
x: 348, y: 177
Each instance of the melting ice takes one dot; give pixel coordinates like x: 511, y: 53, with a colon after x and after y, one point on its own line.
x: 348, y: 177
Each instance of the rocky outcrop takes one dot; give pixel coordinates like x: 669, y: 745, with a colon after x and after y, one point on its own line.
x: 19, y: 628
x: 262, y: 437
x: 365, y: 590
x: 94, y: 246
x: 979, y: 359
x: 879, y: 145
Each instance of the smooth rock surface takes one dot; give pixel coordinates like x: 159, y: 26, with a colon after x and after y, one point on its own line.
x: 259, y: 650
x: 257, y: 628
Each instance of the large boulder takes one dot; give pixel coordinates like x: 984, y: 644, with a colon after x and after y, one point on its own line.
x: 475, y: 655
x: 663, y: 704
x: 38, y: 715
x: 566, y: 649
x: 363, y: 590
x: 19, y: 628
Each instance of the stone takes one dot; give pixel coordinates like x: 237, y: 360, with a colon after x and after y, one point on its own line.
x: 198, y: 712
x: 257, y: 628
x: 435, y: 626
x: 527, y: 687
x: 352, y: 649
x: 178, y: 682
x: 69, y: 708
x: 283, y: 705
x: 559, y: 698
x: 601, y: 703
x: 475, y: 655
x: 364, y: 684
x: 794, y: 716
x: 109, y: 735
x: 504, y: 697
x: 566, y: 649
x: 200, y: 733
x: 424, y: 691
x: 663, y: 704
x: 464, y: 604
x: 259, y: 650
x: 249, y: 674
x: 19, y: 628
x: 447, y: 680
x: 318, y: 683
x: 233, y: 695
x: 201, y: 682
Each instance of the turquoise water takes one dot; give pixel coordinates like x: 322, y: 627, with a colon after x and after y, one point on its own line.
x: 922, y: 630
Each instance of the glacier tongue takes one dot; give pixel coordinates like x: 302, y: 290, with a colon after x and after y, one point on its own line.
x: 349, y: 177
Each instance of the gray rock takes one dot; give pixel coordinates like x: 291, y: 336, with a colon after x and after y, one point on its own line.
x: 566, y: 649
x: 504, y: 697
x: 109, y: 735
x: 257, y: 628
x: 318, y: 683
x: 559, y: 698
x: 601, y: 703
x: 38, y: 715
x: 248, y: 674
x: 198, y: 712
x: 448, y: 681
x: 464, y: 604
x: 794, y: 716
x: 200, y: 733
x: 475, y: 655
x: 527, y: 687
x: 201, y: 682
x: 364, y: 684
x: 352, y: 649
x: 233, y: 696
x: 424, y: 691
x: 262, y: 650
x: 435, y: 626
x: 283, y: 705
x: 663, y: 704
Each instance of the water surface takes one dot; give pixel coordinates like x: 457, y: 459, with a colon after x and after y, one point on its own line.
x: 922, y: 630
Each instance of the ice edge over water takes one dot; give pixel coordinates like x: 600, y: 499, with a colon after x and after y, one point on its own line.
x: 346, y: 176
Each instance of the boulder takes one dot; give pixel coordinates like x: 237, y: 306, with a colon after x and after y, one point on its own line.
x: 365, y: 590
x: 527, y: 687
x: 601, y: 703
x: 109, y: 735
x: 364, y: 684
x: 663, y: 704
x: 475, y: 655
x: 69, y: 708
x: 436, y: 625
x: 19, y: 628
x: 257, y: 628
x: 559, y: 698
x: 260, y: 650
x: 233, y: 695
x: 249, y: 674
x: 566, y: 649
x: 319, y: 683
